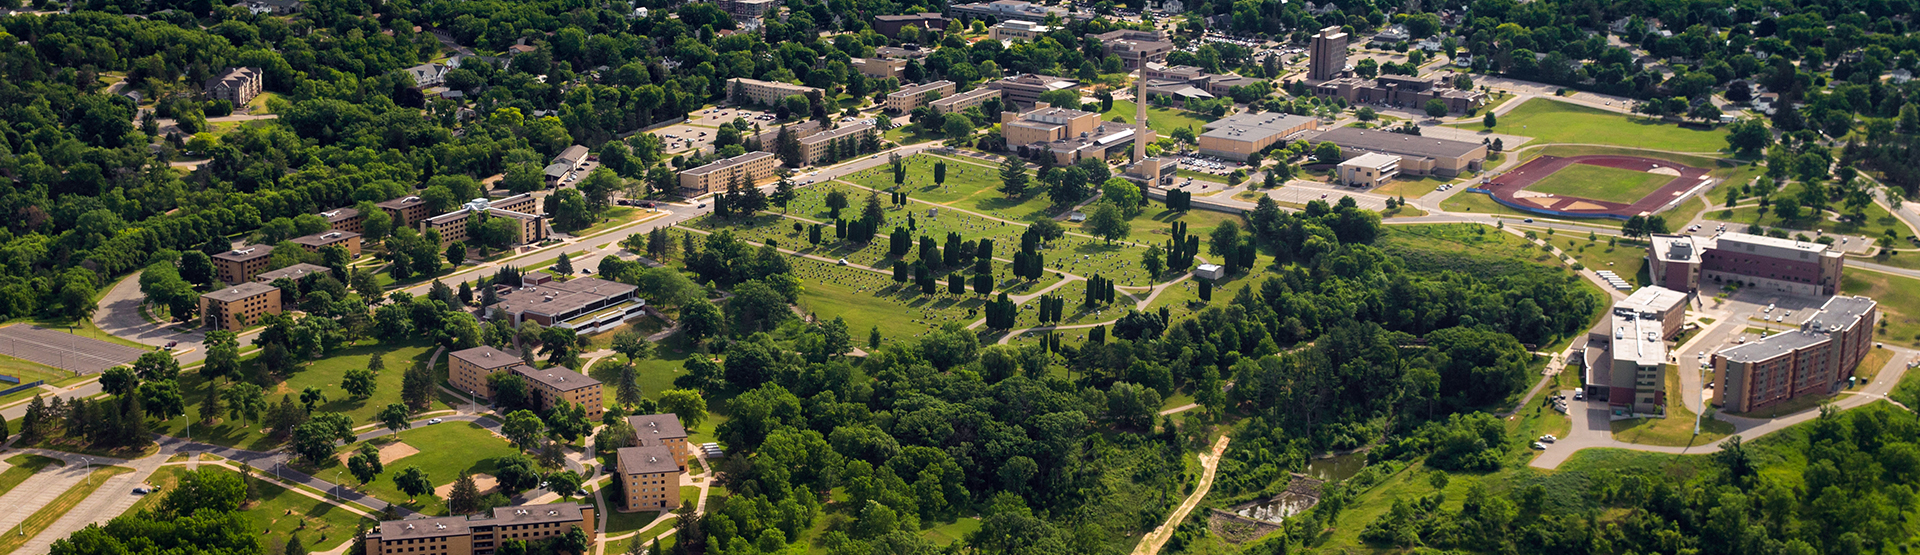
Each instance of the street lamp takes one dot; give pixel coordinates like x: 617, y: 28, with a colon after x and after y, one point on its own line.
x: 89, y: 469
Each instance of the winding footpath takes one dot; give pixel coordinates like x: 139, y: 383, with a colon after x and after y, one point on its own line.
x: 1153, y: 541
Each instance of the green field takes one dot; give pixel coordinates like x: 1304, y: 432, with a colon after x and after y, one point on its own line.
x: 446, y: 450
x: 1551, y: 121
x: 276, y: 512
x: 1601, y: 183
x: 1899, y: 299
x: 969, y: 186
x: 1162, y: 120
x: 1676, y: 430
x: 1476, y: 203
x: 21, y: 467
x: 324, y: 374
x: 28, y: 372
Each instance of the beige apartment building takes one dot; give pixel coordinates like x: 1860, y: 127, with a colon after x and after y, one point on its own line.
x: 405, y: 211
x: 345, y: 239
x: 662, y: 430
x: 958, y: 103
x: 552, y: 384
x: 879, y: 68
x: 819, y: 146
x: 906, y: 99
x: 1067, y: 136
x: 742, y: 90
x: 236, y: 85
x: 752, y: 168
x: 523, y: 209
x: 236, y: 307
x: 1418, y: 155
x: 241, y: 264
x: 649, y: 479
x: 1015, y: 29
x: 467, y: 369
x: 479, y: 534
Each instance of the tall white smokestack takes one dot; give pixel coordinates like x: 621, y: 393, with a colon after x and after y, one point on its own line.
x: 1140, y: 116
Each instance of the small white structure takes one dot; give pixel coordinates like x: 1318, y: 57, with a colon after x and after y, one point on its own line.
x: 1369, y: 170
x: 1210, y: 271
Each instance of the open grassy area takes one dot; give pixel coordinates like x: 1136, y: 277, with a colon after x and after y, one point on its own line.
x: 1162, y: 120
x: 276, y: 512
x: 646, y: 537
x: 1411, y: 186
x: 324, y: 374
x: 52, y: 511
x: 1899, y: 299
x: 1626, y: 259
x: 1871, y: 365
x: 1476, y: 203
x: 21, y: 467
x: 1601, y: 183
x: 970, y: 185
x: 1876, y: 224
x: 1676, y: 430
x: 1552, y: 121
x: 945, y: 534
x: 1154, y: 224
x: 446, y: 450
x: 910, y: 134
x: 620, y: 523
x: 28, y: 372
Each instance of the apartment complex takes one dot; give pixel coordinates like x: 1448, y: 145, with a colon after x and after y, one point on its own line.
x: 345, y: 239
x: 1025, y: 89
x: 1135, y: 48
x: 295, y: 272
x: 906, y: 99
x: 1236, y: 136
x: 1813, y: 360
x: 1067, y: 136
x: 1418, y: 155
x: 1626, y: 355
x: 650, y: 469
x: 405, y: 211
x: 751, y: 168
x: 522, y: 209
x: 548, y: 386
x: 345, y: 219
x: 961, y: 102
x: 1369, y: 170
x: 821, y: 146
x: 741, y: 90
x: 1014, y: 29
x: 879, y: 68
x: 586, y: 305
x: 236, y: 307
x: 236, y: 85
x: 890, y: 25
x: 241, y: 264
x: 1004, y: 10
x: 1327, y: 54
x: 479, y: 534
x: 467, y: 369
x: 1800, y: 268
x: 1401, y: 91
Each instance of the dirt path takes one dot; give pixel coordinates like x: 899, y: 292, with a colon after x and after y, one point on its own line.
x: 1153, y: 541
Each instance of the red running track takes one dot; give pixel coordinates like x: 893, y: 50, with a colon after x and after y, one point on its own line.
x: 1505, y: 187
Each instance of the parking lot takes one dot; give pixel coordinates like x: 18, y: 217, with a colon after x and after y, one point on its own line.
x: 683, y: 138
x: 63, y: 350
x: 714, y: 117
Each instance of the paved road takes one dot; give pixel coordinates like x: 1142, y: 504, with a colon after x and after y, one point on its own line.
x: 38, y: 490
x: 110, y: 500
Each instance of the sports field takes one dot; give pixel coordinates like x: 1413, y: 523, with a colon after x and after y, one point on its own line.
x: 1552, y: 121
x: 1601, y: 183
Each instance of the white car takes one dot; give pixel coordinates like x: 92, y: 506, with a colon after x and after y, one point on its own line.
x: 434, y: 421
x: 1548, y: 438
x: 1539, y: 446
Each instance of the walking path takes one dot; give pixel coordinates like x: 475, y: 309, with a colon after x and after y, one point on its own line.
x: 1153, y: 541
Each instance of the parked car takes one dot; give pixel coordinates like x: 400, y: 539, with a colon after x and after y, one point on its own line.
x: 1539, y: 446
x: 434, y: 421
x: 171, y: 344
x: 1580, y: 395
x: 1548, y: 438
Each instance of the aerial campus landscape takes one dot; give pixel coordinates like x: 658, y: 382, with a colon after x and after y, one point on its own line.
x: 751, y: 277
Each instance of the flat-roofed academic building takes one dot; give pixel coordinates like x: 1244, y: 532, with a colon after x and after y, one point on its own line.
x: 235, y: 307
x: 1418, y: 155
x: 751, y: 168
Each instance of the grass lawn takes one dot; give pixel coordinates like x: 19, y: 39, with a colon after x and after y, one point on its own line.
x: 324, y: 374
x: 1601, y: 183
x: 52, y: 511
x: 1899, y: 299
x: 1871, y: 365
x: 28, y: 372
x: 84, y: 328
x: 970, y: 186
x: 1200, y: 176
x: 1676, y: 430
x: 910, y: 134
x: 1162, y: 120
x: 867, y: 300
x: 1624, y: 259
x: 1411, y: 187
x: 1403, y: 211
x: 616, y: 216
x: 1877, y: 222
x: 1706, y: 162
x: 276, y: 512
x: 1551, y: 121
x: 22, y: 467
x: 1154, y: 224
x: 945, y: 534
x: 446, y: 450
x: 655, y: 375
x: 647, y: 536
x: 620, y: 523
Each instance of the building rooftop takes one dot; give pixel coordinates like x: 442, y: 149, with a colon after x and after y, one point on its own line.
x: 574, y: 154
x: 423, y: 528
x: 1773, y: 346
x: 1396, y: 143
x: 294, y: 272
x: 1372, y: 160
x: 325, y: 238
x: 557, y: 377
x: 533, y: 514
x: 842, y: 131
x: 1254, y: 127
x: 653, y: 427
x: 562, y: 297
x: 1637, y: 338
x: 912, y: 17
x: 920, y: 89
x: 487, y: 357
x: 1677, y: 248
x: 340, y: 214
x: 645, y: 460
x: 966, y: 96
x: 1775, y: 242
x: 1653, y: 299
x: 1840, y: 313
x: 402, y: 202
x: 242, y: 291
x: 1047, y: 82
x: 727, y: 163
x: 249, y: 252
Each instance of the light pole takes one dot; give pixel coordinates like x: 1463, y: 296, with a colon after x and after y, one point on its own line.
x: 89, y: 469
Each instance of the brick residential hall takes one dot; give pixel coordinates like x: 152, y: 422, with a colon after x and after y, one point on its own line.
x: 345, y: 239
x: 294, y: 273
x: 1803, y: 268
x: 906, y: 99
x: 236, y: 85
x: 750, y: 168
x: 241, y: 264
x: 233, y: 308
x: 469, y: 369
x: 1625, y: 357
x: 650, y: 469
x: 345, y: 219
x: 405, y: 211
x: 1815, y: 359
x: 479, y: 534
x: 523, y: 209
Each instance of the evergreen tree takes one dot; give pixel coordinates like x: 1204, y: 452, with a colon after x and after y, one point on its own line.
x: 563, y: 265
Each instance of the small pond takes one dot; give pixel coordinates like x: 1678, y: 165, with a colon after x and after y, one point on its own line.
x: 1336, y: 468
